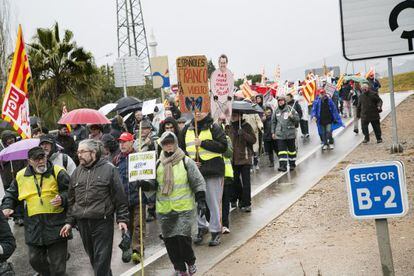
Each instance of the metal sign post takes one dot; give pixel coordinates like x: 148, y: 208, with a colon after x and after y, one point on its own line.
x: 396, y: 146
x: 378, y: 191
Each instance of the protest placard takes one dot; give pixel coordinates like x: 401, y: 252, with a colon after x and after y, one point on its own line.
x: 148, y: 107
x: 222, y: 85
x: 330, y: 89
x: 141, y: 166
x: 193, y: 84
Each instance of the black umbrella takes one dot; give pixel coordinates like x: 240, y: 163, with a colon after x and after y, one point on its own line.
x: 246, y: 107
x: 126, y: 105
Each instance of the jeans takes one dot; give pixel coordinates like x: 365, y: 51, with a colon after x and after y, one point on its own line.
x: 326, y: 134
x: 356, y: 119
x: 376, y: 125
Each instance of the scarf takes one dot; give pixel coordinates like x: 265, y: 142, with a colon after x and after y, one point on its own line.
x: 168, y: 163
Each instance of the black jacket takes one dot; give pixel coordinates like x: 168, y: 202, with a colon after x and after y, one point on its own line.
x: 42, y: 229
x: 96, y: 193
x: 8, y: 171
x: 213, y: 167
x: 267, y: 129
x: 7, y: 241
x: 369, y: 106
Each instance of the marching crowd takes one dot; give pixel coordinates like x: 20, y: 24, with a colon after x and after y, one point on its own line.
x: 79, y: 178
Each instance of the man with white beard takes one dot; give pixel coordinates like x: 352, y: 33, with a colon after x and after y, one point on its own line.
x: 43, y: 187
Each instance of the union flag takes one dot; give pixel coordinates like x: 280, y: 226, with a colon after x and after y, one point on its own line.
x: 15, y: 109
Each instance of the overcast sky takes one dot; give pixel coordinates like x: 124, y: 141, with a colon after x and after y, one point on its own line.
x: 254, y: 34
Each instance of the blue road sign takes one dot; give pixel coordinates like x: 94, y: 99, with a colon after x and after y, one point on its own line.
x: 377, y: 190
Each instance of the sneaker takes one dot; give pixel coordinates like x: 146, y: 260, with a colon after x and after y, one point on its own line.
x: 257, y: 167
x: 136, y: 257
x: 331, y: 146
x: 325, y: 147
x: 292, y: 168
x: 225, y: 230
x: 307, y: 136
x: 379, y: 141
x: 180, y: 273
x: 215, y: 239
x: 365, y: 141
x: 356, y: 131
x: 192, y: 269
x: 282, y: 169
x: 200, y: 235
x: 246, y: 209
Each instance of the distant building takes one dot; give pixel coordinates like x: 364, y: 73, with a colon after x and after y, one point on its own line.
x: 321, y: 71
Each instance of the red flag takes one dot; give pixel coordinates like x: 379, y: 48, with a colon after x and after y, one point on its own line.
x: 308, y: 91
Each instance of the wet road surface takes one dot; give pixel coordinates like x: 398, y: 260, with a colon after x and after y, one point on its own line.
x: 273, y: 193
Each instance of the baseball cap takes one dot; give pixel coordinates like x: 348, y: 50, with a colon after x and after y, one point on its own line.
x: 47, y: 138
x: 36, y: 153
x: 126, y: 136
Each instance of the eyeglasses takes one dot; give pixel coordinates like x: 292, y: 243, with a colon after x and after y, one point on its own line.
x: 80, y: 152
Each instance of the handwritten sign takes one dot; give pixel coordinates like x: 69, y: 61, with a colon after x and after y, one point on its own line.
x: 141, y: 166
x: 330, y: 89
x: 222, y: 86
x: 193, y: 84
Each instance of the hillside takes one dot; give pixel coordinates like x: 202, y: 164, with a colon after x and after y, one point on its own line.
x: 402, y: 82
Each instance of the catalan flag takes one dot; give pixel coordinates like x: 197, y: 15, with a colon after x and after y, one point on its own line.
x: 308, y: 91
x: 15, y: 109
x: 340, y: 82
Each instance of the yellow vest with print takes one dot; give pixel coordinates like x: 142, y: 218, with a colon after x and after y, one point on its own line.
x: 191, y: 148
x: 28, y: 192
x: 181, y: 198
x: 228, y: 168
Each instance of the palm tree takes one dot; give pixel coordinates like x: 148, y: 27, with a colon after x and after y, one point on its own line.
x: 62, y: 72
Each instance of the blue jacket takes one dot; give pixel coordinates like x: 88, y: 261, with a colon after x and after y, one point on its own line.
x: 130, y: 188
x: 316, y: 112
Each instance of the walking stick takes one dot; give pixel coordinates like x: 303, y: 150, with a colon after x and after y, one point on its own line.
x: 141, y: 243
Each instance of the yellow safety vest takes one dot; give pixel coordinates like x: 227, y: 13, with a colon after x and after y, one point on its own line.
x: 28, y: 192
x: 228, y: 168
x: 202, y: 152
x: 181, y: 198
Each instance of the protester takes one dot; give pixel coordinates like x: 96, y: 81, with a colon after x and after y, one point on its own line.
x: 257, y: 125
x: 147, y: 140
x: 48, y: 144
x: 346, y: 95
x: 64, y: 139
x: 180, y: 184
x: 168, y: 113
x: 355, y: 98
x: 79, y: 133
x: 110, y: 147
x: 8, y: 171
x: 228, y: 179
x: 369, y: 109
x: 373, y: 82
x: 7, y: 246
x: 304, y: 119
x: 95, y: 132
x: 181, y: 122
x: 270, y: 145
x: 284, y: 120
x: 243, y: 138
x: 325, y: 114
x: 95, y: 194
x: 39, y: 131
x: 138, y: 118
x: 43, y: 188
x: 117, y: 127
x: 126, y: 146
x: 206, y: 148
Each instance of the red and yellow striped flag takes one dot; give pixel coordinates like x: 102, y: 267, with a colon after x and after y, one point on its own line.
x: 308, y: 91
x: 340, y: 82
x: 15, y: 109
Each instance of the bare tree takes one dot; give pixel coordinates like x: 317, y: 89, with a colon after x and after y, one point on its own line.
x: 4, y: 41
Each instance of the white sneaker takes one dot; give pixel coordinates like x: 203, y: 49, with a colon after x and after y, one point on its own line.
x: 225, y: 230
x: 257, y: 167
x: 325, y: 147
x: 331, y: 146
